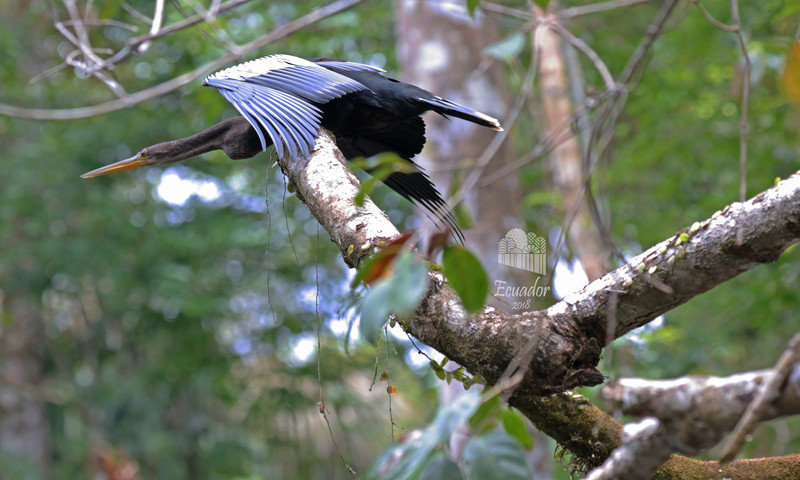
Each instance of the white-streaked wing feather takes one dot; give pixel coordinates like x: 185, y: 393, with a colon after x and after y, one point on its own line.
x: 289, y: 121
x: 260, y: 66
x: 277, y: 95
x: 350, y: 66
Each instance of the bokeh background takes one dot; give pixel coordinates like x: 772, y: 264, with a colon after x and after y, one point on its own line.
x: 166, y: 320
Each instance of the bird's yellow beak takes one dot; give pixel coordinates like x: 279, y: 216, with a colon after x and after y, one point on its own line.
x: 141, y: 159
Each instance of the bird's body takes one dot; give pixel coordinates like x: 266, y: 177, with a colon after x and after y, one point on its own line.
x: 285, y: 99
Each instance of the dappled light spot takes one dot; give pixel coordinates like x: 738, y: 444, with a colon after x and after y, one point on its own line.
x: 173, y: 189
x: 568, y: 277
x: 303, y: 349
x: 176, y: 189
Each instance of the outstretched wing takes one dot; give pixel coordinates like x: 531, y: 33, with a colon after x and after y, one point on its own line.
x: 280, y: 96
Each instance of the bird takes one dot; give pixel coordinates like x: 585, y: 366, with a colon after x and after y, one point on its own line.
x: 285, y: 99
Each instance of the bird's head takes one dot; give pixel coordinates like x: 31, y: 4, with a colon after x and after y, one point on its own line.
x: 147, y: 156
x: 234, y: 136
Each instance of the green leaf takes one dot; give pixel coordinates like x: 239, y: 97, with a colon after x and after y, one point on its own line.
x: 541, y: 197
x: 542, y: 3
x: 374, y: 310
x: 506, y: 49
x: 455, y: 414
x: 473, y: 5
x: 388, y: 463
x: 439, y: 467
x: 486, y: 412
x: 399, y: 294
x: 515, y: 426
x: 467, y: 276
x: 495, y: 455
x: 410, y: 459
x: 379, y: 167
x: 366, y: 187
x: 438, y: 370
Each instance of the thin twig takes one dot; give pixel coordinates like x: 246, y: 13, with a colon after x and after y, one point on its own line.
x: 769, y: 392
x: 335, y: 445
x: 603, y: 131
x: 553, y: 139
x: 214, y: 8
x: 610, y: 111
x: 579, y: 44
x: 84, y: 50
x: 321, y: 404
x: 745, y: 102
x: 266, y: 248
x: 476, y: 171
x: 286, y: 220
x: 158, y: 18
x: 188, y: 22
x: 411, y: 339
x: 736, y: 28
x: 222, y: 35
x: 713, y: 21
x: 101, y: 22
x: 136, y: 13
x: 504, y: 10
x: 388, y: 383
x: 597, y: 7
x: 47, y: 73
x: 203, y: 27
x: 82, y: 41
x: 181, y: 80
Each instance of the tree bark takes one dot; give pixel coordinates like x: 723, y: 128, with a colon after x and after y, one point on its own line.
x: 440, y: 49
x: 563, y: 342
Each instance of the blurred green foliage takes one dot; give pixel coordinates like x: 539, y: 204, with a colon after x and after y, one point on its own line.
x: 170, y: 330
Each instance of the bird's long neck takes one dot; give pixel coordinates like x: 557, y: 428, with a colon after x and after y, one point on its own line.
x: 234, y: 136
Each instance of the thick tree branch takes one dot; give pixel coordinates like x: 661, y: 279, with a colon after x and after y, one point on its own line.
x: 570, y: 335
x: 688, y: 415
x: 770, y: 391
x: 691, y: 262
x: 329, y: 189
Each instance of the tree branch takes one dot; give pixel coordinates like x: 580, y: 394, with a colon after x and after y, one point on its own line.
x: 325, y: 184
x: 770, y: 391
x: 568, y: 336
x: 181, y: 80
x: 688, y: 415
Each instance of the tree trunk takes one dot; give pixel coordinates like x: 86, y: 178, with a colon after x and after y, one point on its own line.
x: 23, y: 429
x: 440, y: 49
x: 568, y: 173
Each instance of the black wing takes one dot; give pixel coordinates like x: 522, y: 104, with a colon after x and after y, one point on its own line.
x: 279, y: 95
x: 406, y: 139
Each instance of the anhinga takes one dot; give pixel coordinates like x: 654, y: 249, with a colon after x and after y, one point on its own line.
x: 285, y: 99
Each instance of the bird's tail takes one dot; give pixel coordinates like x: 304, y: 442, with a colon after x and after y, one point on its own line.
x: 446, y: 107
x: 418, y: 188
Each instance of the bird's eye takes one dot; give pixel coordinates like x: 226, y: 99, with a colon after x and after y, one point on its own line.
x: 144, y: 153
